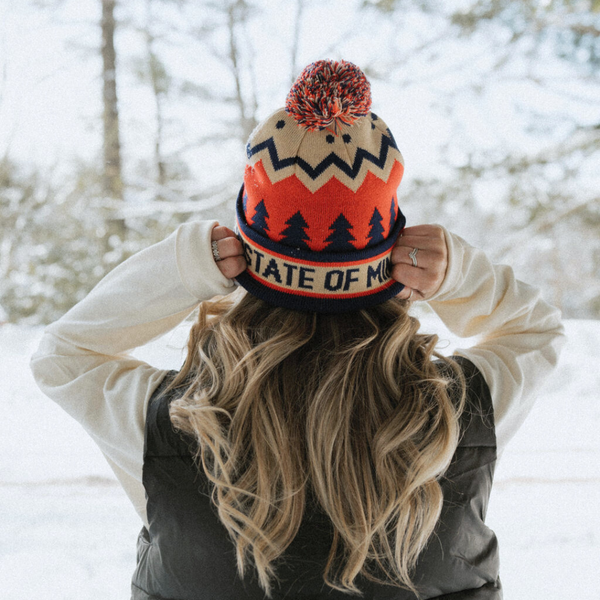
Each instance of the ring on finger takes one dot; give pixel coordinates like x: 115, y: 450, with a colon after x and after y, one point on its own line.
x: 215, y: 251
x: 413, y: 256
x: 410, y: 295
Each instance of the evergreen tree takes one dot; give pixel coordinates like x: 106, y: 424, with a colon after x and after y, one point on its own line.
x: 339, y: 240
x: 294, y: 234
x: 376, y: 231
x: 259, y: 220
x: 392, y: 215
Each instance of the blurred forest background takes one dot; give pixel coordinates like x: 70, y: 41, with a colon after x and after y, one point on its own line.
x: 121, y: 120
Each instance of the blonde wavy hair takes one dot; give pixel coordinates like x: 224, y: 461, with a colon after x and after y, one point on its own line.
x: 348, y: 406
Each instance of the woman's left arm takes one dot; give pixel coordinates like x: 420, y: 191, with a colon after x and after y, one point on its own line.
x: 82, y: 362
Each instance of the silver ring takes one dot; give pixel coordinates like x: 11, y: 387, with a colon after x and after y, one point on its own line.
x: 215, y: 251
x: 413, y: 256
x: 410, y: 296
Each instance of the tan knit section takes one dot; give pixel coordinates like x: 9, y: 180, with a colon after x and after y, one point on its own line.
x: 314, y: 147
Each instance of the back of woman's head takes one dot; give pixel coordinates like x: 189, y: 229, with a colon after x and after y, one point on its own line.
x: 344, y: 410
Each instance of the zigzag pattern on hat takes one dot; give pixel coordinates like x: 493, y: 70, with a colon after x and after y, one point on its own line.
x: 285, y: 150
x: 333, y: 159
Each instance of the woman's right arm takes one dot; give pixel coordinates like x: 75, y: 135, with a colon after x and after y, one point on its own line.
x: 520, y: 334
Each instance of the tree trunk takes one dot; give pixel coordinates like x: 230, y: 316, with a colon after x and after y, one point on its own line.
x: 158, y: 80
x: 111, y: 180
x: 236, y: 13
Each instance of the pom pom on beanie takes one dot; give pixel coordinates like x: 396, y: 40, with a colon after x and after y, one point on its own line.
x: 329, y: 92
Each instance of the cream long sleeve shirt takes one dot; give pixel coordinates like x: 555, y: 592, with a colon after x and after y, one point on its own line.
x: 83, y: 365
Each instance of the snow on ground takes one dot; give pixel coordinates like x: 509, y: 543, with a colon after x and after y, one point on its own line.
x: 68, y: 532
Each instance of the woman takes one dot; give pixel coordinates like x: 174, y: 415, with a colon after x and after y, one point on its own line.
x: 313, y: 445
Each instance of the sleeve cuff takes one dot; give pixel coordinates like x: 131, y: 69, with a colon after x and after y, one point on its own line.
x: 454, y: 271
x: 197, y: 268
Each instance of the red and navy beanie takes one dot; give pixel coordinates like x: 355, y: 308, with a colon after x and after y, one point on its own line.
x: 318, y: 213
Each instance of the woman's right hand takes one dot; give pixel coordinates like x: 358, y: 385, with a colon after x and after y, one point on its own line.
x: 424, y: 280
x: 233, y: 261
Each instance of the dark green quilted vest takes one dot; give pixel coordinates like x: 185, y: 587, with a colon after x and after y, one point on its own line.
x: 186, y: 553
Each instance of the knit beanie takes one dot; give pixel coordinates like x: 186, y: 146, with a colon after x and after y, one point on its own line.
x: 318, y: 214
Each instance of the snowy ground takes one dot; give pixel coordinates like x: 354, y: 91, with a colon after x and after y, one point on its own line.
x: 67, y: 531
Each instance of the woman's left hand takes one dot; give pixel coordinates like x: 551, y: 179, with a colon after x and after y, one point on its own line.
x: 431, y: 255
x: 231, y: 252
